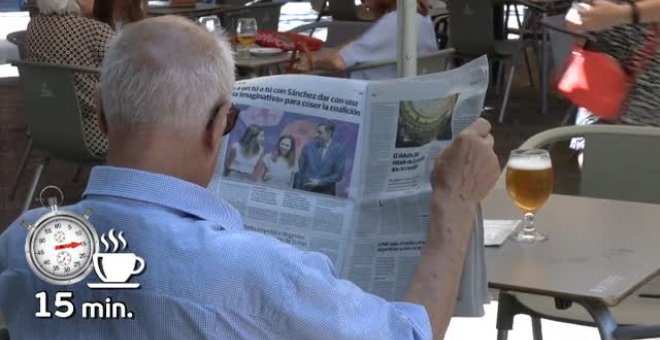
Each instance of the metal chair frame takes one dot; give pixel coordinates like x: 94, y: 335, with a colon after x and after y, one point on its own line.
x: 54, y: 117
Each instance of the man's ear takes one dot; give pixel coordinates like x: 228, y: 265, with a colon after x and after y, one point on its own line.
x: 100, y: 114
x: 215, y: 127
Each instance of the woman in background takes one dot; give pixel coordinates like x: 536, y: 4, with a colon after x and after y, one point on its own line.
x: 625, y: 27
x: 64, y: 33
x: 378, y: 43
x: 117, y: 13
x: 279, y: 166
x: 243, y: 155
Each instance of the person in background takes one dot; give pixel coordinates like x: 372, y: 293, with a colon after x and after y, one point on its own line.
x: 64, y: 33
x: 117, y: 13
x: 378, y: 43
x: 243, y: 156
x: 279, y: 166
x: 624, y: 28
x: 207, y: 276
x: 321, y: 163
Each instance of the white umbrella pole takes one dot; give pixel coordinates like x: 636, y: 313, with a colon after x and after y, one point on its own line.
x: 407, y: 38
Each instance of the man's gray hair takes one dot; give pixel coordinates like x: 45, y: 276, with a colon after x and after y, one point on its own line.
x: 166, y: 72
x: 60, y: 7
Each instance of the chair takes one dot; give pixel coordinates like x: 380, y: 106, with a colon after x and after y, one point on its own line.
x: 428, y: 63
x: 53, y: 116
x: 338, y: 32
x: 18, y: 38
x: 437, y: 61
x: 266, y: 13
x: 620, y: 162
x: 471, y: 33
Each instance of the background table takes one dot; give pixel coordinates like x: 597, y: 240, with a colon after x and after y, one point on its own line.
x: 598, y: 252
x: 262, y: 66
x: 158, y: 8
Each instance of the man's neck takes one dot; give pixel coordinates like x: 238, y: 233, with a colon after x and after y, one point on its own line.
x: 163, y: 152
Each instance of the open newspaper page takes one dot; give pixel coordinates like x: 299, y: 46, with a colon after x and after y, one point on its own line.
x: 409, y: 123
x: 342, y: 167
x: 291, y: 163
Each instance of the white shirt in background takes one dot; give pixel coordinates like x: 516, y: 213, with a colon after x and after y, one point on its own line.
x: 379, y: 43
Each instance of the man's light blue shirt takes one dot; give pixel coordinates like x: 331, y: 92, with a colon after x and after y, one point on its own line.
x: 205, y: 277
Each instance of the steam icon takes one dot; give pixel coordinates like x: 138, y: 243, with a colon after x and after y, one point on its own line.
x: 115, y: 268
x: 115, y: 241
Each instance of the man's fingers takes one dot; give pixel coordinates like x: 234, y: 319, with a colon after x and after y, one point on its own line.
x: 480, y: 127
x: 490, y: 141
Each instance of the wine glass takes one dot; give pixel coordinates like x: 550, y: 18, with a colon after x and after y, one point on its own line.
x: 210, y: 23
x: 529, y: 181
x: 246, y: 32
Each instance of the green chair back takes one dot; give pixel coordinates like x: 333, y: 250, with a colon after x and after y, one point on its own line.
x: 52, y: 111
x: 620, y: 162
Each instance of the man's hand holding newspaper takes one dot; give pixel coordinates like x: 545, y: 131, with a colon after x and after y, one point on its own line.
x: 456, y: 195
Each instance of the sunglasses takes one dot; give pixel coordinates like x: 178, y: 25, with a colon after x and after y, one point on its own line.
x: 232, y: 117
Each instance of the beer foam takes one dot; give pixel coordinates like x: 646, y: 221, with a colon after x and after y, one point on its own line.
x: 531, y: 163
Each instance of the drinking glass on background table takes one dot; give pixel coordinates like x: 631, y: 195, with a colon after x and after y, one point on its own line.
x: 246, y: 32
x: 529, y: 181
x: 211, y: 24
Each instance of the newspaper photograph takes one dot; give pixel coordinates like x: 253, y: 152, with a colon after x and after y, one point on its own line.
x: 292, y: 151
x: 430, y: 110
x: 342, y: 167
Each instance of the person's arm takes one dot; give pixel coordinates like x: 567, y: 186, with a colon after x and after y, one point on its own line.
x: 302, y: 166
x: 649, y: 11
x: 461, y: 178
x: 374, y: 44
x: 261, y: 172
x: 101, y: 41
x: 326, y: 59
x: 329, y: 59
x: 230, y: 158
x: 603, y: 14
x: 337, y: 170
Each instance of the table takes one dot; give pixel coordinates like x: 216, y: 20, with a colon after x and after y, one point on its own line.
x: 599, y: 251
x: 262, y: 66
x: 158, y: 8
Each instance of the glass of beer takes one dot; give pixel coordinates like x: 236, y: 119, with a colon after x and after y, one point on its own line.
x: 246, y: 33
x: 529, y: 181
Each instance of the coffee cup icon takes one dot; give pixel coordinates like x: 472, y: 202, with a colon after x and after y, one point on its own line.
x: 115, y: 269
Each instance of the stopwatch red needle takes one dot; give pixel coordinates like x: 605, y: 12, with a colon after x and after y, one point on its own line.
x: 68, y: 245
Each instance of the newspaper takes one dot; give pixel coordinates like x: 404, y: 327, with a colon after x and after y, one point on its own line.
x: 342, y: 167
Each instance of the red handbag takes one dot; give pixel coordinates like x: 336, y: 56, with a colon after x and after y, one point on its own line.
x: 290, y: 41
x: 598, y: 82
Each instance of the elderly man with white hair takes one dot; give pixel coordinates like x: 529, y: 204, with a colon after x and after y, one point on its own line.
x: 165, y: 95
x: 64, y: 33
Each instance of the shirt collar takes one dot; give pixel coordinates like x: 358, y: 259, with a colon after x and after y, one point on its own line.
x: 162, y: 190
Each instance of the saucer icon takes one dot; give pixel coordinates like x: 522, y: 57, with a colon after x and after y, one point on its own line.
x: 115, y: 269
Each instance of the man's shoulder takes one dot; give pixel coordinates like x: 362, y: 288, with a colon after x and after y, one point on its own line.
x: 29, y: 217
x: 12, y: 240
x: 388, y: 20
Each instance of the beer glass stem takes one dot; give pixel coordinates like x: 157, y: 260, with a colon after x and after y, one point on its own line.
x: 528, y: 224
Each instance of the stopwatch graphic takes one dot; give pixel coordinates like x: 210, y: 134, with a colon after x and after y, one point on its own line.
x: 60, y: 245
